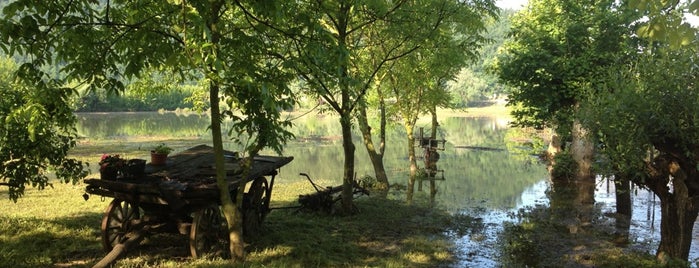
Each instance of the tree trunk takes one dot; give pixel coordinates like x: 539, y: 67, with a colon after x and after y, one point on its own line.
x: 582, y: 150
x: 230, y: 211
x: 433, y: 135
x: 622, y: 189
x: 678, y: 213
x: 409, y: 131
x: 435, y: 123
x: 553, y: 149
x: 376, y: 156
x: 348, y: 176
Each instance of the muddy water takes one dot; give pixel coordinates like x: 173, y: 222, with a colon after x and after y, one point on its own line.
x: 483, y: 177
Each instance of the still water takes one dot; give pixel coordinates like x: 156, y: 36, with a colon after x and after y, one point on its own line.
x: 489, y: 184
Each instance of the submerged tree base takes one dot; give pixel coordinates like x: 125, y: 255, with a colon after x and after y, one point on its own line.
x: 541, y: 239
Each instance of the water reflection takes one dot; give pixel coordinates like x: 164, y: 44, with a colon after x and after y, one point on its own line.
x: 471, y: 174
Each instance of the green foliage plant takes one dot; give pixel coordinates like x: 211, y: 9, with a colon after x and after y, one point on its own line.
x: 36, y: 133
x: 667, y: 21
x: 162, y: 149
x: 564, y: 166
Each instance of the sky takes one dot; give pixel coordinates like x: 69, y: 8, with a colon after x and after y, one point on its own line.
x: 511, y: 4
x: 519, y: 4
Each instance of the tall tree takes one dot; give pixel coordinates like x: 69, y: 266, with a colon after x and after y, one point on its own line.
x: 336, y: 39
x: 558, y: 52
x: 416, y: 81
x: 103, y: 45
x: 647, y: 119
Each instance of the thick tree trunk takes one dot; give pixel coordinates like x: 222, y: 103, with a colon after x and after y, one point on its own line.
x: 553, y: 149
x: 376, y: 156
x: 409, y: 129
x: 582, y: 150
x: 348, y: 176
x: 622, y: 189
x: 678, y: 213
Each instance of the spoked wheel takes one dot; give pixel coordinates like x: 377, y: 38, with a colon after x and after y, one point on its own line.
x: 119, y: 219
x: 208, y: 234
x: 255, y: 207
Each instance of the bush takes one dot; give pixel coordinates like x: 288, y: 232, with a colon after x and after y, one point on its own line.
x: 564, y: 166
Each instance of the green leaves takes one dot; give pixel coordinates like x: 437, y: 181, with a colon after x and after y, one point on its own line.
x: 36, y: 132
x: 665, y: 21
x: 558, y: 50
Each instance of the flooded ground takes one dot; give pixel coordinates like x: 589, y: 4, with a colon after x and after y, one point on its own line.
x: 481, y: 248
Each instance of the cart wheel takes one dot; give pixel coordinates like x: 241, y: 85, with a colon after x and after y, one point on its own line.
x: 255, y: 206
x: 208, y: 234
x: 119, y: 219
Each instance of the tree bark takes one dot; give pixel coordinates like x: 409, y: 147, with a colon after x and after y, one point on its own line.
x: 409, y: 131
x: 679, y: 211
x: 230, y: 210
x: 622, y: 189
x: 582, y: 150
x: 376, y: 156
x: 433, y: 135
x: 348, y: 176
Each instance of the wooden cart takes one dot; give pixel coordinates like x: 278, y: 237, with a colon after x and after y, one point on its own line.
x: 182, y: 197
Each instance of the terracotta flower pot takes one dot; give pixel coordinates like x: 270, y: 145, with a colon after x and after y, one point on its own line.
x: 157, y: 159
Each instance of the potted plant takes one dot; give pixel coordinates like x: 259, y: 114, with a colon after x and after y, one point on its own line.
x: 158, y: 156
x: 110, y: 166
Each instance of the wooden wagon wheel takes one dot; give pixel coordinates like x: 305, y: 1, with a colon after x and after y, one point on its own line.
x: 255, y: 206
x: 208, y: 234
x: 119, y: 219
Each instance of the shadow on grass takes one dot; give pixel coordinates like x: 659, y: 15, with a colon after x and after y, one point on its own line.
x: 386, y: 233
x: 34, y: 242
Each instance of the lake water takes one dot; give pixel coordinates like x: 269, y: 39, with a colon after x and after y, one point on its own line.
x: 489, y: 184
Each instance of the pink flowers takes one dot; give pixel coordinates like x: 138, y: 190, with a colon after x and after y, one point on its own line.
x: 111, y: 161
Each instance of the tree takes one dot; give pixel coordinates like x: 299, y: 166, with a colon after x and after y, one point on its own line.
x: 647, y: 120
x: 103, y: 45
x: 452, y: 41
x: 36, y: 133
x: 335, y: 43
x: 558, y: 52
